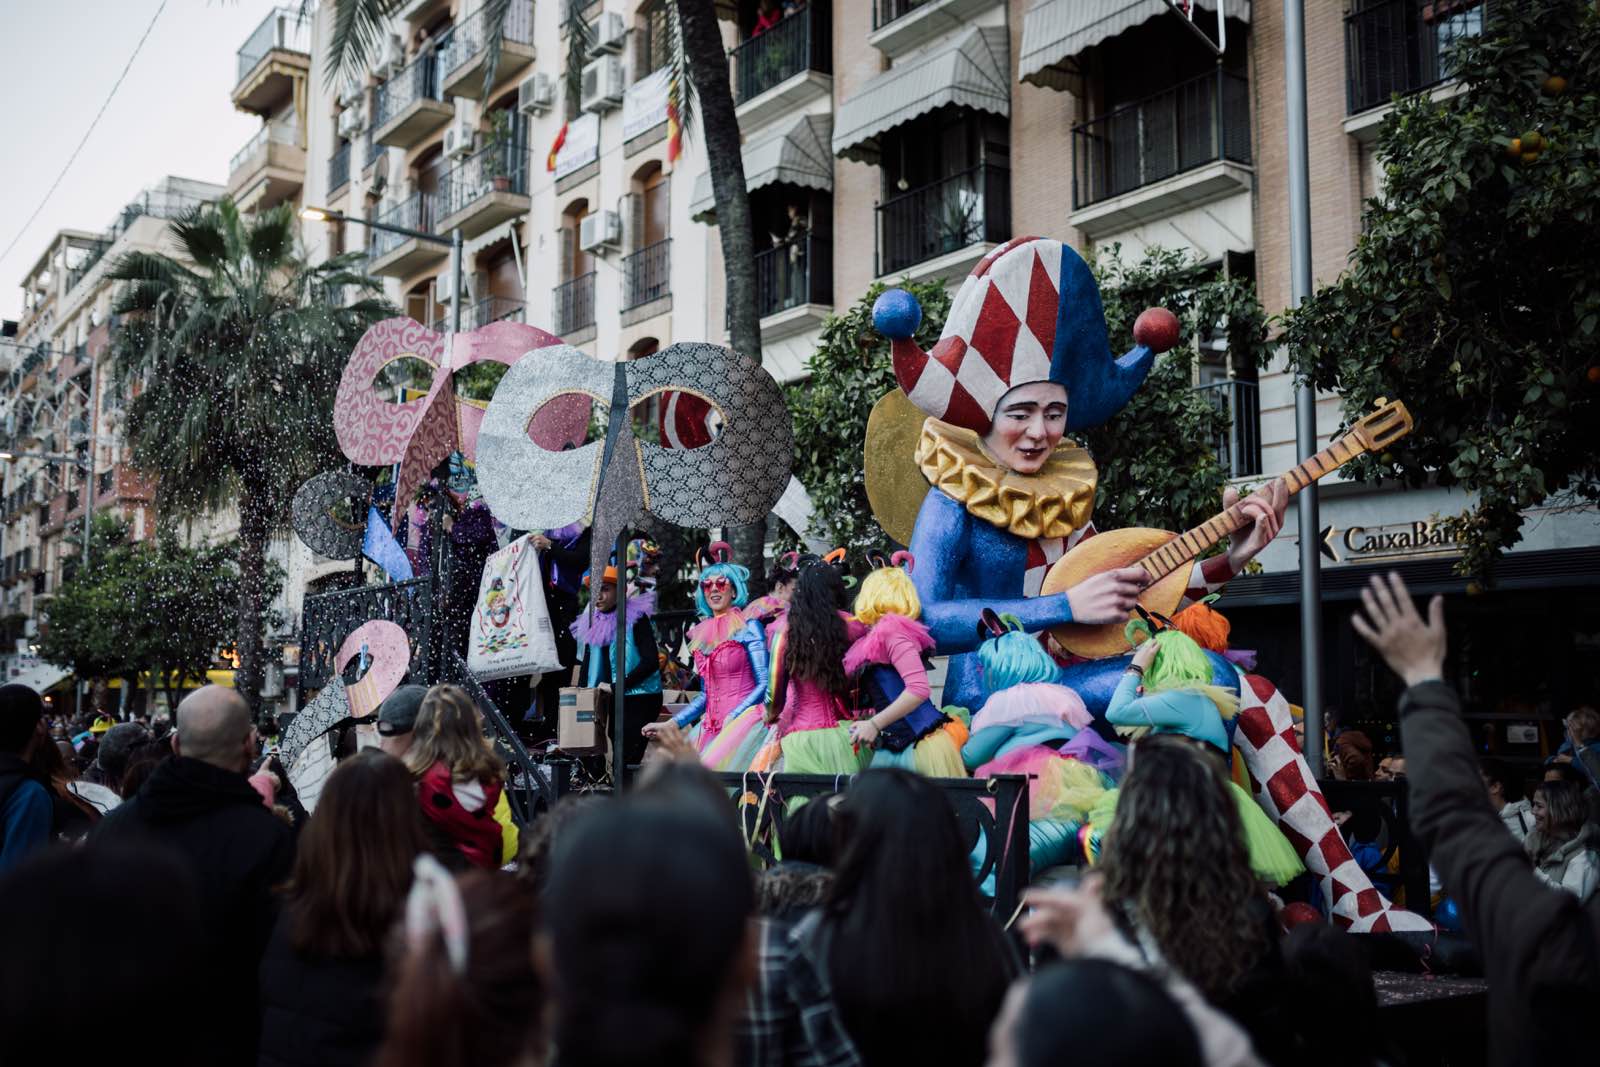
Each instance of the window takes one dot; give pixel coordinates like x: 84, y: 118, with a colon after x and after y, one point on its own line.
x: 653, y: 40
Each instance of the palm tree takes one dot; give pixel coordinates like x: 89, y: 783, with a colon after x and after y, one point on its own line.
x: 359, y: 25
x: 234, y: 362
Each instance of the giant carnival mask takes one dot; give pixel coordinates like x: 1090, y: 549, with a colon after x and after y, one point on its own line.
x: 734, y: 480
x: 418, y: 434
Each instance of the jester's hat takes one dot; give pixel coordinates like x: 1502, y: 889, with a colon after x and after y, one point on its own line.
x: 1030, y: 311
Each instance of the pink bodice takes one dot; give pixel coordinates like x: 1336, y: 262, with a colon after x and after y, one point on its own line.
x: 728, y: 678
x: 807, y: 706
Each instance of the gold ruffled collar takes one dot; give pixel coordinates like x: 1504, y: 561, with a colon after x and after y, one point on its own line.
x: 1053, y: 503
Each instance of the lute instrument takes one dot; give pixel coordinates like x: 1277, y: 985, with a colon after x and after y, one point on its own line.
x: 1167, y: 557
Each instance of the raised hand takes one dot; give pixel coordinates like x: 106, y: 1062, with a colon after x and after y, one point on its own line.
x: 1413, y: 649
x: 1106, y: 597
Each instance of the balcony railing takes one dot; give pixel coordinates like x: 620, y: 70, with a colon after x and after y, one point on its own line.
x: 1178, y: 129
x: 646, y: 275
x: 418, y: 81
x: 1239, y: 447
x: 498, y: 167
x: 886, y: 11
x: 282, y: 30
x: 339, y: 168
x: 271, y: 133
x: 796, y: 272
x: 1399, y: 46
x: 797, y: 43
x: 573, y: 304
x: 76, y: 274
x: 374, y: 148
x: 483, y: 312
x: 416, y: 212
x: 471, y: 36
x: 965, y: 209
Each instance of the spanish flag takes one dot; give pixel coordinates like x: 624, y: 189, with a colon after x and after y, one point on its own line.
x: 674, y: 127
x: 555, y: 149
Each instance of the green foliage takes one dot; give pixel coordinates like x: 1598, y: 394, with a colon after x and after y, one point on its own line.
x: 145, y: 606
x: 1157, y: 459
x: 849, y: 372
x: 1473, y: 293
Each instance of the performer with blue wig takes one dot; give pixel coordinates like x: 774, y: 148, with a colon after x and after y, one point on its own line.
x: 730, y: 657
x: 1024, y: 358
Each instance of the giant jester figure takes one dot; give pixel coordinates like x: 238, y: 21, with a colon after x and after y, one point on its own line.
x: 1023, y: 358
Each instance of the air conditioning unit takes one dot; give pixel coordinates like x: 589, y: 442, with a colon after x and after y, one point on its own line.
x: 602, y: 85
x: 351, y: 121
x: 443, y: 286
x: 609, y: 31
x: 601, y: 230
x: 351, y: 94
x: 536, y: 95
x: 391, y: 56
x: 458, y: 138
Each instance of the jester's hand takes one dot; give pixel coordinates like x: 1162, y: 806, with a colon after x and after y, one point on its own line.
x: 1264, y: 508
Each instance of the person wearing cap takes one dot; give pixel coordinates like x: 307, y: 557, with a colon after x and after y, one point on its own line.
x: 397, y: 718
x: 596, y: 633
x: 26, y: 809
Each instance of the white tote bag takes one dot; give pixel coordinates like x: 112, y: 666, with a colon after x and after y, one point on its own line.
x: 511, y: 631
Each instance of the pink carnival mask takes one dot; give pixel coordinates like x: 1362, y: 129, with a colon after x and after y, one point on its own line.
x: 419, y: 434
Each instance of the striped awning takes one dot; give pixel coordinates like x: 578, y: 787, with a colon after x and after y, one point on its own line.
x: 970, y: 71
x: 796, y: 154
x: 1054, y: 31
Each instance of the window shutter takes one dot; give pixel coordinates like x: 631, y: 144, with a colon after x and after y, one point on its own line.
x: 632, y: 211
x: 569, y: 241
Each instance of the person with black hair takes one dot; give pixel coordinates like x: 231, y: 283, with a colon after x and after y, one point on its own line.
x: 1505, y: 796
x: 1064, y: 1013
x: 648, y: 932
x: 811, y: 692
x: 105, y: 940
x: 1329, y: 968
x: 802, y: 877
x: 1540, y: 947
x: 26, y: 806
x: 904, y: 953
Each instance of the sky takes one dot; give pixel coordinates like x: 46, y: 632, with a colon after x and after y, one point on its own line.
x: 171, y: 115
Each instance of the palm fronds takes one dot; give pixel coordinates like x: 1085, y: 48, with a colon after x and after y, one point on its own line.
x: 681, y: 95
x: 358, y: 28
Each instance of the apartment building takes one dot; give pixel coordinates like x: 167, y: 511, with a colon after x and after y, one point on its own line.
x: 61, y: 401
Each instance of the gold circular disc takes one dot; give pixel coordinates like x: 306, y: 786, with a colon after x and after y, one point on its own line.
x: 895, y: 485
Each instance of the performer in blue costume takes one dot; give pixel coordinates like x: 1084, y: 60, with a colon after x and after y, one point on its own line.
x: 1023, y: 358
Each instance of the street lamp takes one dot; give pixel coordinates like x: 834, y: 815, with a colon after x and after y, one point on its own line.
x: 453, y: 242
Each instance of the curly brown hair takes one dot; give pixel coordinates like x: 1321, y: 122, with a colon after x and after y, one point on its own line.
x: 1177, y: 870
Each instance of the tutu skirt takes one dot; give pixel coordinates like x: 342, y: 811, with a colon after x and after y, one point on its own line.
x: 826, y: 751
x: 741, y: 740
x: 936, y: 756
x: 1059, y: 788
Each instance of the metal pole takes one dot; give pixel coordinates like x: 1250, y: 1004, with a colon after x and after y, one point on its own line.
x: 455, y: 280
x: 1305, y: 399
x: 619, y: 669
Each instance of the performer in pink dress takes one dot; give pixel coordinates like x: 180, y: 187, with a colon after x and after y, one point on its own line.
x: 730, y: 658
x: 811, y: 708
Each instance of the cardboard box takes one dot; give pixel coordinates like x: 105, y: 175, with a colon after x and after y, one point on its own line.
x: 581, y: 727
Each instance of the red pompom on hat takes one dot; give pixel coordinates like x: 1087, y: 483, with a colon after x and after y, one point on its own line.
x: 1156, y: 329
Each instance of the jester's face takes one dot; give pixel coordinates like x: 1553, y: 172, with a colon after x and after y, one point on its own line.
x: 498, y: 606
x: 1028, y: 425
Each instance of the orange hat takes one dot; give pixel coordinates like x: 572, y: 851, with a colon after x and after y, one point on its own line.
x: 607, y: 578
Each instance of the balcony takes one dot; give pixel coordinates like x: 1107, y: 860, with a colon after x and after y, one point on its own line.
x: 272, y: 59
x: 269, y: 169
x: 942, y: 229
x: 487, y: 188
x: 339, y: 168
x: 898, y: 26
x: 371, y: 150
x: 465, y: 57
x: 647, y: 281
x: 397, y: 255
x: 1399, y: 46
x: 572, y: 306
x: 1180, y: 148
x: 410, y: 106
x: 794, y: 286
x: 1238, y: 447
x: 483, y: 312
x: 784, y: 69
x: 92, y: 256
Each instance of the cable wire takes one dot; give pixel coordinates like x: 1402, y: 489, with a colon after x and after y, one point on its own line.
x: 87, y: 133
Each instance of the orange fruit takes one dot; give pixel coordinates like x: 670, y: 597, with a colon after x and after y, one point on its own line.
x: 1529, y: 157
x: 1514, y: 149
x: 1474, y: 588
x: 1532, y: 141
x: 1395, y: 332
x: 1554, y: 85
x: 1593, y: 374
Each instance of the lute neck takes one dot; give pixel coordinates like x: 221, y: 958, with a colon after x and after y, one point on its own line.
x: 1189, y: 545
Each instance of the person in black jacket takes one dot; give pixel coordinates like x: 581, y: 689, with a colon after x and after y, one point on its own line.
x: 322, y: 978
x: 199, y: 804
x: 1540, y: 947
